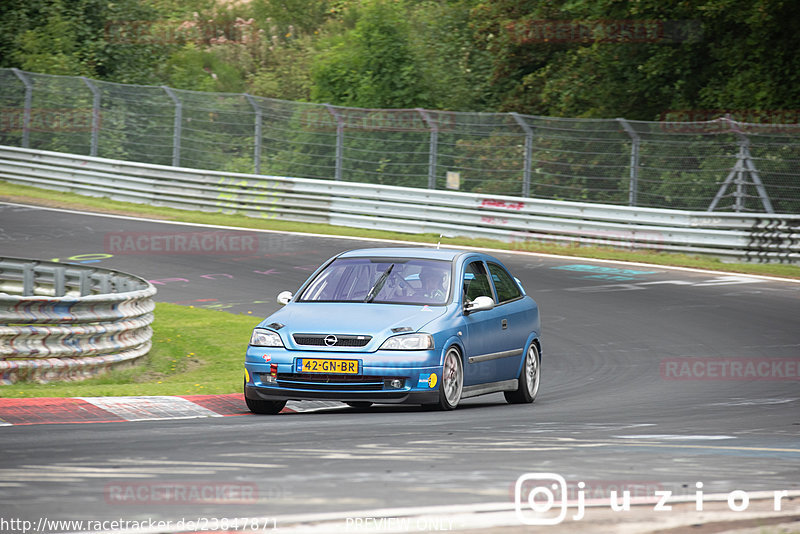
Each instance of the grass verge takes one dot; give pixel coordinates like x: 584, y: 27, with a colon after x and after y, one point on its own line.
x: 33, y: 195
x: 195, y: 352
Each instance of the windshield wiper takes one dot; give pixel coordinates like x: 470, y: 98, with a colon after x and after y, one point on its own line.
x: 378, y: 285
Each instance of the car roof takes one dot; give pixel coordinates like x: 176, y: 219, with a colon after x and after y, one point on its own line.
x: 404, y: 252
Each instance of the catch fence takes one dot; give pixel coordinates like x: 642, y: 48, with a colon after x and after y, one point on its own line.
x: 716, y: 165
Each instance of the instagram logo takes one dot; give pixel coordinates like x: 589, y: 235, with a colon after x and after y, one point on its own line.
x: 539, y: 492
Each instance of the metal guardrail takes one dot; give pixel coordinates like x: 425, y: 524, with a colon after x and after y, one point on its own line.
x: 752, y: 237
x: 68, y: 322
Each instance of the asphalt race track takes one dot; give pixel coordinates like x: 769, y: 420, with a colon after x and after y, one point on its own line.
x: 617, y: 405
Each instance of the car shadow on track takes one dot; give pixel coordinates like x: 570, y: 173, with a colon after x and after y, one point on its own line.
x: 471, y: 405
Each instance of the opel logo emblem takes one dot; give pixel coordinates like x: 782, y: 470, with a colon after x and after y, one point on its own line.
x: 331, y: 340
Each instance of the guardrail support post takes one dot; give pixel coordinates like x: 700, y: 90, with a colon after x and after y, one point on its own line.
x: 176, y: 140
x: 85, y: 283
x: 526, y: 173
x: 59, y: 281
x: 95, y: 115
x: 104, y: 283
x: 339, y: 140
x: 634, y: 173
x: 257, y: 148
x: 434, y: 146
x: 26, y: 121
x: 28, y: 279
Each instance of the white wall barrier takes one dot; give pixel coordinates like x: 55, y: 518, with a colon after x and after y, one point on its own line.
x: 750, y: 237
x: 68, y: 322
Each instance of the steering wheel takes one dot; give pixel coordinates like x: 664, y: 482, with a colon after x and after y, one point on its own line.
x: 404, y: 287
x: 437, y: 295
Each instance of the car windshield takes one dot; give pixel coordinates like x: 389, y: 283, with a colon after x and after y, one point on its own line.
x: 381, y: 280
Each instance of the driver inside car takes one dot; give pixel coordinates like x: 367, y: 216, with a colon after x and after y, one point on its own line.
x: 434, y: 284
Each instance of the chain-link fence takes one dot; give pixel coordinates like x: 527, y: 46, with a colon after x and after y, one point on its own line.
x: 713, y: 165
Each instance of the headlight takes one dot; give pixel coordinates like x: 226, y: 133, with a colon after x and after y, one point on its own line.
x: 409, y: 342
x: 265, y: 338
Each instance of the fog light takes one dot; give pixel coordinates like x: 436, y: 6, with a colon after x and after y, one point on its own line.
x: 396, y: 384
x: 272, y: 377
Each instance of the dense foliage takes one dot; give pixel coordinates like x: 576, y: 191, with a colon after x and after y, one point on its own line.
x: 569, y: 58
x: 643, y: 60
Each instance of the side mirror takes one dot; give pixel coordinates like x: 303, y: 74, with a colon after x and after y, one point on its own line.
x: 284, y: 297
x: 479, y: 304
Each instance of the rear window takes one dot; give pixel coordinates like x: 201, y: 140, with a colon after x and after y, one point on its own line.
x: 504, y: 283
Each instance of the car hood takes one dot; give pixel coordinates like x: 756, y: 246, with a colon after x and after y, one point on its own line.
x: 368, y: 319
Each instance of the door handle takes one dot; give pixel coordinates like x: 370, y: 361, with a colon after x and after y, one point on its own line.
x: 504, y: 323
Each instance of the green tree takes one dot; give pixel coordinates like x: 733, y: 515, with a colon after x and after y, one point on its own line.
x: 456, y: 72
x: 715, y: 54
x: 372, y: 65
x: 77, y: 37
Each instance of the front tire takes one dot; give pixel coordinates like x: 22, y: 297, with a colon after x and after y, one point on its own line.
x: 529, y: 378
x: 263, y: 407
x: 452, y: 382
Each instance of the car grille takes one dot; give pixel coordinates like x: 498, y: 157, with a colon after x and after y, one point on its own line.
x: 331, y: 382
x: 319, y: 340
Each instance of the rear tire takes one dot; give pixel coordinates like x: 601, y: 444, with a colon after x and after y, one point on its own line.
x: 529, y: 378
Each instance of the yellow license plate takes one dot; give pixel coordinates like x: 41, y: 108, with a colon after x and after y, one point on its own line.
x: 313, y: 365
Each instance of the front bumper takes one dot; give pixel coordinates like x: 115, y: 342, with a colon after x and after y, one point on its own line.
x: 388, y: 397
x: 384, y: 377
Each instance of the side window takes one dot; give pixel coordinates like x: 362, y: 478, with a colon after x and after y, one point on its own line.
x: 476, y: 282
x: 506, y: 286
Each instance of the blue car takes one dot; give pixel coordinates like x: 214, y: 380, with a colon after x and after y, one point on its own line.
x: 398, y: 325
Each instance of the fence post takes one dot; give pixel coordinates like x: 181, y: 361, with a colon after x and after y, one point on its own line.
x: 633, y: 186
x: 176, y: 127
x: 257, y: 149
x: 26, y: 121
x: 95, y: 115
x: 339, y: 140
x: 526, y: 173
x: 434, y: 146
